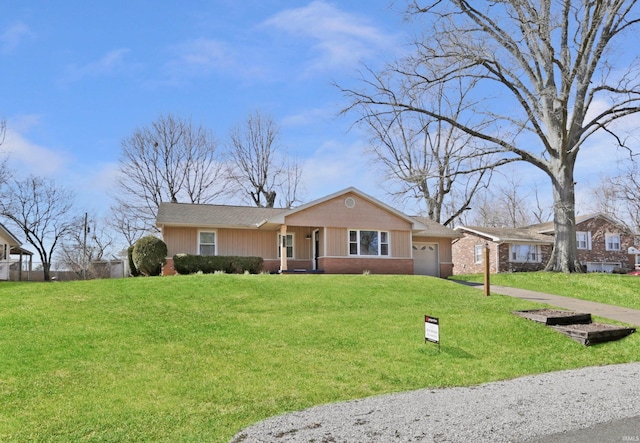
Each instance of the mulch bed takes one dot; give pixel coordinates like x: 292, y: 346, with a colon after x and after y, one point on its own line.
x: 576, y: 325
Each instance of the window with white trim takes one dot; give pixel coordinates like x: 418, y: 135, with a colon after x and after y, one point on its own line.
x: 583, y: 240
x: 362, y: 242
x: 289, y: 245
x: 207, y: 243
x: 525, y: 253
x: 478, y: 254
x: 612, y: 242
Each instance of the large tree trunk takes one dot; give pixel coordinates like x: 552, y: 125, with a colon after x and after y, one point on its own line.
x: 565, y: 252
x: 46, y: 269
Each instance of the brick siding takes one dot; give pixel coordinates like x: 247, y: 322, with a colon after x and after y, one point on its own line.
x: 463, y: 250
x: 357, y: 265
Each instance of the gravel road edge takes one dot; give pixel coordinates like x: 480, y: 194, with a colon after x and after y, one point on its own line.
x: 516, y: 410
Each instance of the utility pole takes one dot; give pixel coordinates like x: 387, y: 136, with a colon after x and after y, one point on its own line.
x: 84, y: 250
x: 487, y: 269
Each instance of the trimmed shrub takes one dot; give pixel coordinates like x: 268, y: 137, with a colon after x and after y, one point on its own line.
x: 132, y: 266
x: 191, y: 264
x: 149, y: 254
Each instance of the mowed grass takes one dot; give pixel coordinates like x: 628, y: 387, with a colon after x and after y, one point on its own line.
x: 197, y: 358
x: 614, y: 289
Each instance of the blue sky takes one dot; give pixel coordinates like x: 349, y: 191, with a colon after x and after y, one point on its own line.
x: 78, y: 77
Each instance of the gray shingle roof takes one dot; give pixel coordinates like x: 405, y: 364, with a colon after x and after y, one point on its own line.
x: 548, y: 227
x: 433, y: 229
x: 184, y: 214
x: 509, y: 234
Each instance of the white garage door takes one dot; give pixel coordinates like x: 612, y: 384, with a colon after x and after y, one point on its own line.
x: 425, y: 259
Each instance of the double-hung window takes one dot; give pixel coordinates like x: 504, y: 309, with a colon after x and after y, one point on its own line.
x: 289, y: 245
x: 477, y: 254
x: 583, y: 240
x: 207, y: 243
x: 362, y: 242
x: 525, y: 253
x: 612, y: 242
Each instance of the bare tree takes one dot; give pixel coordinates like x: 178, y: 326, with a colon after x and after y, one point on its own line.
x: 169, y: 161
x: 258, y: 167
x: 431, y: 160
x: 617, y: 195
x: 129, y: 227
x: 88, y: 241
x: 509, y: 204
x: 542, y: 77
x: 42, y: 210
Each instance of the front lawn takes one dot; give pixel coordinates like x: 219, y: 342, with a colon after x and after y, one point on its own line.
x: 613, y: 289
x: 196, y: 358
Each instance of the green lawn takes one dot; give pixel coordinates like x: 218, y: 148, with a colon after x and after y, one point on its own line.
x: 197, y: 358
x: 613, y: 289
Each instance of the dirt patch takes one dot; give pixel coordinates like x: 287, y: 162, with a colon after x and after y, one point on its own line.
x: 577, y: 325
x: 553, y: 317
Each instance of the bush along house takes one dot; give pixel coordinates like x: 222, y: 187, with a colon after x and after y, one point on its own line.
x: 604, y: 245
x: 346, y: 232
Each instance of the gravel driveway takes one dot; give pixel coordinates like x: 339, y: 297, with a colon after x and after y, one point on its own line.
x: 516, y: 410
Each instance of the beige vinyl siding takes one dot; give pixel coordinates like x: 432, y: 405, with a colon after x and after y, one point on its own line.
x: 244, y: 242
x: 302, y: 246
x: 334, y: 212
x: 337, y: 242
x: 400, y: 243
x: 180, y: 240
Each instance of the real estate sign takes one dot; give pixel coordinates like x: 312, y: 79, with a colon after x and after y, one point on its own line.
x: 431, y: 329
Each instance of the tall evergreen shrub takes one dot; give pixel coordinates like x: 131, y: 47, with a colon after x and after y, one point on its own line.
x: 149, y: 254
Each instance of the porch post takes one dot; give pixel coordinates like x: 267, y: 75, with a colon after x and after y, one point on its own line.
x: 283, y: 248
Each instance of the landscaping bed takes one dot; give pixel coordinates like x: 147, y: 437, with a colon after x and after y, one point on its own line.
x: 594, y: 333
x: 577, y: 325
x: 552, y: 317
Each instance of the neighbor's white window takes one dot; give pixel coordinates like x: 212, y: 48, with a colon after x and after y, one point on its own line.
x: 583, y: 240
x: 207, y: 243
x: 612, y: 242
x: 525, y: 253
x: 477, y: 253
x: 363, y: 242
x: 289, y: 245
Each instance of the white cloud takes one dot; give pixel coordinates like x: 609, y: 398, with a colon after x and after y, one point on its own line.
x: 113, y: 62
x: 27, y: 157
x: 13, y: 36
x: 341, y: 39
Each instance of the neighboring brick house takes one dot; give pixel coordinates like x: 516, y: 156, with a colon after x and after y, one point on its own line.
x: 603, y: 246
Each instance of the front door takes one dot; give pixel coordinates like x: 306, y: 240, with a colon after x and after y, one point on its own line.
x: 425, y: 259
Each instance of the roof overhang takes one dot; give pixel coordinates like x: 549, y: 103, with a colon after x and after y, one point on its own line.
x: 504, y: 239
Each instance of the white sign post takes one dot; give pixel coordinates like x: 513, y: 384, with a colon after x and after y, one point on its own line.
x: 432, y: 330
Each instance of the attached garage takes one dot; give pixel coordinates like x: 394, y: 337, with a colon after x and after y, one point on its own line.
x: 426, y: 259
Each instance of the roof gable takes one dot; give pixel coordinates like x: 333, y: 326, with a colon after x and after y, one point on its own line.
x: 507, y: 235
x: 9, y: 237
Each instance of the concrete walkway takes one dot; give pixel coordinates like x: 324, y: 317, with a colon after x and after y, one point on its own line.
x: 626, y: 315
